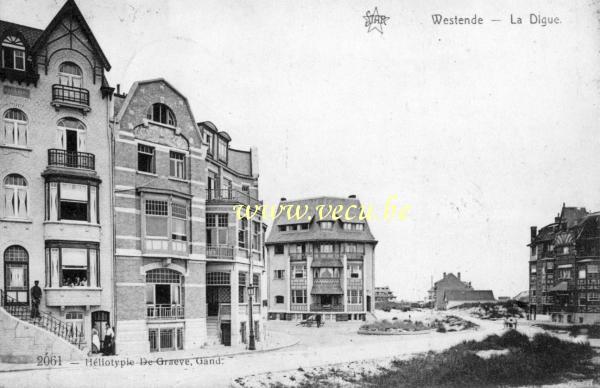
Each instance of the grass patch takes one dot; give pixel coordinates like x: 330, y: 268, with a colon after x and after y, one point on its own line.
x: 542, y: 360
x: 385, y: 325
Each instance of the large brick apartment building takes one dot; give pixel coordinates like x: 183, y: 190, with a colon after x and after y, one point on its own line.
x: 564, y: 262
x: 121, y: 205
x: 321, y: 265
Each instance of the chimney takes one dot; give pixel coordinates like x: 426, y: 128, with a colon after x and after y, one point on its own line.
x: 283, y: 199
x: 118, y: 88
x: 352, y: 196
x: 444, y: 275
x: 459, y: 276
x: 533, y: 232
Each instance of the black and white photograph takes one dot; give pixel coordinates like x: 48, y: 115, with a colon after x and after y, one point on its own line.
x: 298, y: 194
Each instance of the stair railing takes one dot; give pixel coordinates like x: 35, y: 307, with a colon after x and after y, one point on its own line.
x: 70, y: 333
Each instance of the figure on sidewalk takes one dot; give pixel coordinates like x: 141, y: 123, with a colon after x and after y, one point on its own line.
x: 109, y: 337
x: 36, y: 297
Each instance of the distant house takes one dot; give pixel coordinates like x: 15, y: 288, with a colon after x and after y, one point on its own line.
x: 522, y: 296
x: 384, y: 294
x: 454, y: 298
x: 446, y: 283
x: 503, y: 298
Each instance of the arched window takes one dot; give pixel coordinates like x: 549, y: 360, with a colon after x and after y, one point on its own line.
x: 14, y: 131
x: 13, y: 53
x: 16, y: 272
x: 162, y: 114
x: 71, y: 135
x: 164, y: 293
x: 16, y: 201
x: 70, y: 74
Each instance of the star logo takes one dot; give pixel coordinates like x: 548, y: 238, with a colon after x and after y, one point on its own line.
x: 375, y: 21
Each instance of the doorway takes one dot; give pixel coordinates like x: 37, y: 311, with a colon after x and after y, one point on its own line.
x: 99, y: 321
x: 368, y: 303
x: 226, y: 333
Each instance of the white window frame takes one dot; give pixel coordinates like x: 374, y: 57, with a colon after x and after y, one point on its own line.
x: 16, y: 135
x: 17, y: 201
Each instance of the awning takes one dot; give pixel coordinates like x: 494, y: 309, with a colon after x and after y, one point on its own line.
x: 326, y: 289
x: 562, y: 286
x: 332, y: 263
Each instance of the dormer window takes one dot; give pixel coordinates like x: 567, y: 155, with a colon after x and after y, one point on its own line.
x: 161, y: 114
x: 13, y: 53
x: 209, y: 140
x: 222, y: 150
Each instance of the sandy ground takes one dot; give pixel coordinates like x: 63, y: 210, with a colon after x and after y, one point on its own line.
x: 331, y: 344
x: 335, y: 343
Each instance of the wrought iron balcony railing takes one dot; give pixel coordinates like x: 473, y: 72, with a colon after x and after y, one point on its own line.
x: 164, y: 311
x: 63, y: 158
x: 232, y: 196
x: 219, y: 252
x: 70, y: 94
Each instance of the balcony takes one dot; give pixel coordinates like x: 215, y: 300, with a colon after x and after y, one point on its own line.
x: 63, y: 158
x: 327, y: 307
x: 221, y: 252
x: 73, y: 296
x: 230, y: 195
x: 27, y: 77
x: 164, y: 311
x: 297, y: 256
x: 326, y: 286
x: 70, y: 96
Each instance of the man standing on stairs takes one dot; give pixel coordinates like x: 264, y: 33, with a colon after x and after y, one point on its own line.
x: 36, y: 297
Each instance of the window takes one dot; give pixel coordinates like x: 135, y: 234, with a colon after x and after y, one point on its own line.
x: 326, y: 273
x: 227, y: 188
x: 279, y: 299
x: 355, y: 296
x: 73, y: 202
x: 222, y: 149
x: 592, y: 268
x: 209, y: 140
x: 326, y: 248
x: 298, y: 296
x: 564, y: 274
x: 179, y: 224
x: 304, y: 226
x: 594, y: 296
x: 242, y: 283
x: 14, y: 131
x: 74, y: 324
x: 13, y: 53
x: 297, y: 248
x: 359, y: 226
x: 146, y: 159
x: 177, y: 165
x: 565, y: 250
x: 550, y: 265
x: 354, y: 271
x: 16, y: 201
x: 161, y: 114
x: 72, y: 265
x: 299, y: 271
x: 242, y: 233
x: 164, y: 289
x: 325, y: 225
x: 16, y: 273
x: 218, y: 278
x: 279, y: 274
x: 353, y: 226
x: 533, y: 269
x: 216, y: 229
x: 256, y: 236
x: 70, y: 74
x: 281, y: 228
x: 279, y: 249
x: 347, y: 226
x: 581, y: 274
x: 246, y: 190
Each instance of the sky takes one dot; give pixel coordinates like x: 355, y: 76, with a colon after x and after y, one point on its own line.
x: 483, y: 130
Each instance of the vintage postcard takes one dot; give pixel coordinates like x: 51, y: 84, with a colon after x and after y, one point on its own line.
x: 205, y: 193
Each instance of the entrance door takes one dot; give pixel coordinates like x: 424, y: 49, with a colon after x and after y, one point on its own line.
x: 212, y: 298
x: 226, y: 333
x: 163, y: 294
x: 99, y: 321
x: 325, y: 299
x: 368, y: 303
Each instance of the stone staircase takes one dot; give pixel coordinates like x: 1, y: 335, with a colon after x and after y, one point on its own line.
x: 45, y: 321
x: 212, y: 331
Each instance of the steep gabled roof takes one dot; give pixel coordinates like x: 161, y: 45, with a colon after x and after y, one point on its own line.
x: 71, y: 9
x: 314, y: 232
